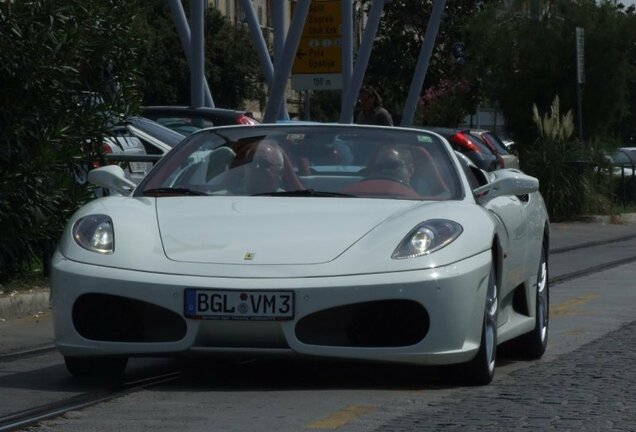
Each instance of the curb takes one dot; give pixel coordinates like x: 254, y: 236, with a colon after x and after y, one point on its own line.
x: 618, y: 219
x: 20, y: 304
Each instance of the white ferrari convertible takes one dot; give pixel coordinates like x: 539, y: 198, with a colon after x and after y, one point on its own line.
x: 333, y: 241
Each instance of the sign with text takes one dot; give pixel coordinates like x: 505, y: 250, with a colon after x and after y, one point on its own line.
x: 580, y: 55
x: 318, y: 61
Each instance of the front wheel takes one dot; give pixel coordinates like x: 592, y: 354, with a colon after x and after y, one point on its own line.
x: 481, y: 369
x: 96, y: 367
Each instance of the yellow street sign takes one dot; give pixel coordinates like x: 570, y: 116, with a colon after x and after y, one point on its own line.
x: 319, y: 50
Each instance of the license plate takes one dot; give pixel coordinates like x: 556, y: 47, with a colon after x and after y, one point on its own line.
x: 137, y: 167
x: 239, y: 305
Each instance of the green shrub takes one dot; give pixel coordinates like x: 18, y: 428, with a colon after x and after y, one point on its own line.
x: 560, y: 163
x: 63, y: 65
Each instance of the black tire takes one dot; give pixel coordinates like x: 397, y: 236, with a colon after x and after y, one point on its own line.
x: 532, y: 345
x: 96, y: 368
x: 481, y: 369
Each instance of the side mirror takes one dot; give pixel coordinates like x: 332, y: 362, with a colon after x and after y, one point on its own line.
x: 506, y: 182
x: 113, y: 178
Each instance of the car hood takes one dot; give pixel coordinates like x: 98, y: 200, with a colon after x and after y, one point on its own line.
x: 267, y: 230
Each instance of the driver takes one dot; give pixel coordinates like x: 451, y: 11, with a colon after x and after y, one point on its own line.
x: 394, y: 163
x: 264, y: 173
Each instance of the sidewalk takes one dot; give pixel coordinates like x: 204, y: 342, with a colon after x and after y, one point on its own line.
x: 590, y: 230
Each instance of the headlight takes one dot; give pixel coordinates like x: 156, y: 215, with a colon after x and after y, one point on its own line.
x: 427, y: 237
x: 95, y: 233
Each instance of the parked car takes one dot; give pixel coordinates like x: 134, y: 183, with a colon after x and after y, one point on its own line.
x: 509, y: 160
x: 473, y: 147
x: 623, y: 169
x: 623, y: 161
x: 156, y: 138
x: 120, y: 142
x: 405, y: 253
x: 187, y: 120
x: 136, y: 144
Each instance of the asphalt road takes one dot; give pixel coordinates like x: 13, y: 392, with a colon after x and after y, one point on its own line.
x: 589, y: 388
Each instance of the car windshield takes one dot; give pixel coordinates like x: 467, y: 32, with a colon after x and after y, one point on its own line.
x: 307, y: 161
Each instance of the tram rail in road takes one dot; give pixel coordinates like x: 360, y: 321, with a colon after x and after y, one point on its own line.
x: 34, y: 415
x: 28, y: 353
x: 576, y: 261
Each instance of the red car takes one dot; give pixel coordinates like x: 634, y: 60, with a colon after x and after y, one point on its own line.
x: 480, y: 153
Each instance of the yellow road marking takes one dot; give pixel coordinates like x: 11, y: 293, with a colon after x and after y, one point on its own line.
x: 342, y: 417
x: 565, y: 307
x: 577, y: 332
x: 351, y: 412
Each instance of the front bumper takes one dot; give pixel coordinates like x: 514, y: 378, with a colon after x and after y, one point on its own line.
x: 451, y: 298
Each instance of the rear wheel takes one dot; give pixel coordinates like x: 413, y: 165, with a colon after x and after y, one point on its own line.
x: 96, y: 367
x: 481, y: 369
x: 532, y: 345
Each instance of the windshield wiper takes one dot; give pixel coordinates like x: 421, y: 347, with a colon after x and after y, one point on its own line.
x: 169, y: 191
x: 306, y: 193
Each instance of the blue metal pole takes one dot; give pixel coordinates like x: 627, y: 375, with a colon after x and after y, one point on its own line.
x: 422, y: 63
x: 283, y: 64
x: 278, y: 22
x: 197, y: 68
x: 347, y: 47
x: 261, y: 46
x: 346, y: 115
x: 259, y: 41
x: 180, y: 21
x: 278, y: 18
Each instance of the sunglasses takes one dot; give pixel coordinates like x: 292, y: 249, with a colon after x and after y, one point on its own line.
x: 266, y: 164
x: 390, y: 165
